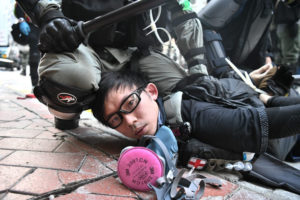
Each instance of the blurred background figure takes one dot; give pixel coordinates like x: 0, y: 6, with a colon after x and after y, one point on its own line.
x: 287, y: 29
x: 25, y: 33
x: 241, y: 28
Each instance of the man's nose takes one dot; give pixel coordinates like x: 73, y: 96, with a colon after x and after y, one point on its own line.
x: 129, y: 119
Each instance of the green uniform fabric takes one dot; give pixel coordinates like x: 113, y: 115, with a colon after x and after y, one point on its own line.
x: 82, y: 68
x: 289, y: 46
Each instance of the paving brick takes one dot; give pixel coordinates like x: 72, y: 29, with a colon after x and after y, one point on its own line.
x: 6, y: 105
x: 106, y: 159
x: 4, y: 153
x: 67, y: 147
x: 112, y: 165
x: 102, y: 156
x: 48, y: 180
x: 23, y: 133
x: 28, y: 103
x: 69, y: 177
x: 78, y: 196
x: 12, y: 196
x: 20, y: 114
x: 15, y: 124
x: 39, y: 124
x: 10, y: 175
x: 94, y: 166
x: 64, y: 161
x: 40, y: 181
x: 248, y: 194
x: 52, y: 129
x: 82, y: 145
x: 29, y: 144
x: 280, y: 193
x: 104, y: 141
x: 39, y: 108
x: 255, y: 187
x: 107, y: 186
x: 45, y: 115
x: 226, y: 189
x: 7, y: 96
x: 51, y: 135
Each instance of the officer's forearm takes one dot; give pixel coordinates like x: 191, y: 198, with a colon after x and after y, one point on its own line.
x: 40, y: 11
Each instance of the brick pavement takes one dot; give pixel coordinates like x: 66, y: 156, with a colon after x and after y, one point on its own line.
x: 38, y: 161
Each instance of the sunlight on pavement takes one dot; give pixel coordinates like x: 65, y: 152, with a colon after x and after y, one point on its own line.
x: 13, y: 80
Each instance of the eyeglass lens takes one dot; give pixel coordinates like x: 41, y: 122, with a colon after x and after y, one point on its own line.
x: 130, y: 103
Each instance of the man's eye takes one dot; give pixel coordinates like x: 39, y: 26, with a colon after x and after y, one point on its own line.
x: 130, y: 103
x: 114, y: 119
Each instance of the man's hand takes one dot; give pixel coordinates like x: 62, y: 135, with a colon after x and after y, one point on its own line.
x: 264, y: 98
x: 258, y: 74
x: 59, y: 35
x: 268, y: 60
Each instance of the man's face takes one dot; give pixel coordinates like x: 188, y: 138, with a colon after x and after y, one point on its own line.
x: 143, y: 119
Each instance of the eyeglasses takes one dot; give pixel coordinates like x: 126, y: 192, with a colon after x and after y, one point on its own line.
x: 128, y: 105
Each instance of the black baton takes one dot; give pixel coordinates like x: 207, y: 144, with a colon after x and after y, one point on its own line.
x: 132, y: 9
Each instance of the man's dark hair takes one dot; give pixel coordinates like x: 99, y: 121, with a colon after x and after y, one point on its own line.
x: 114, y: 81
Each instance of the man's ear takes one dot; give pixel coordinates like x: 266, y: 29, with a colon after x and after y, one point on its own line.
x: 152, y: 90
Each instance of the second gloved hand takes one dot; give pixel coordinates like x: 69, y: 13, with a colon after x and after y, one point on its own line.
x: 59, y: 35
x: 24, y: 28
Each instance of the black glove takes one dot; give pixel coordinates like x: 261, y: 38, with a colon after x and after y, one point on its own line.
x: 59, y: 35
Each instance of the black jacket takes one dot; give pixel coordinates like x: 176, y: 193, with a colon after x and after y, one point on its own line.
x: 224, y: 113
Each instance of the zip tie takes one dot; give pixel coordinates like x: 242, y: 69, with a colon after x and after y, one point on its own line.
x: 154, y: 28
x: 245, y: 78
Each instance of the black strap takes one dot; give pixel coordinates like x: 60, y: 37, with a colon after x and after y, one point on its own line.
x: 209, y: 35
x: 211, y: 181
x: 175, y: 7
x: 51, y: 14
x: 194, y: 52
x: 184, y: 18
x: 170, y: 164
x: 192, y: 186
x: 196, y: 62
x: 219, y: 62
x: 174, y: 192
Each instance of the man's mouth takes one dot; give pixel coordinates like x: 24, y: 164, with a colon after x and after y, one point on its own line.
x: 140, y: 131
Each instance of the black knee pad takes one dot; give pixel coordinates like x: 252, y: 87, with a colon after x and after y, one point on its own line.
x: 64, y: 101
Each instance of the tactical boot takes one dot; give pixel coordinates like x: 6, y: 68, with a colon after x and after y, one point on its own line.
x: 63, y: 124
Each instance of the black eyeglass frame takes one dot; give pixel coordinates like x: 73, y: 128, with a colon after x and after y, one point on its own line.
x: 136, y: 92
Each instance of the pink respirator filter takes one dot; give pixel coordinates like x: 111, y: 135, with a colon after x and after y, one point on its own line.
x: 138, y: 166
